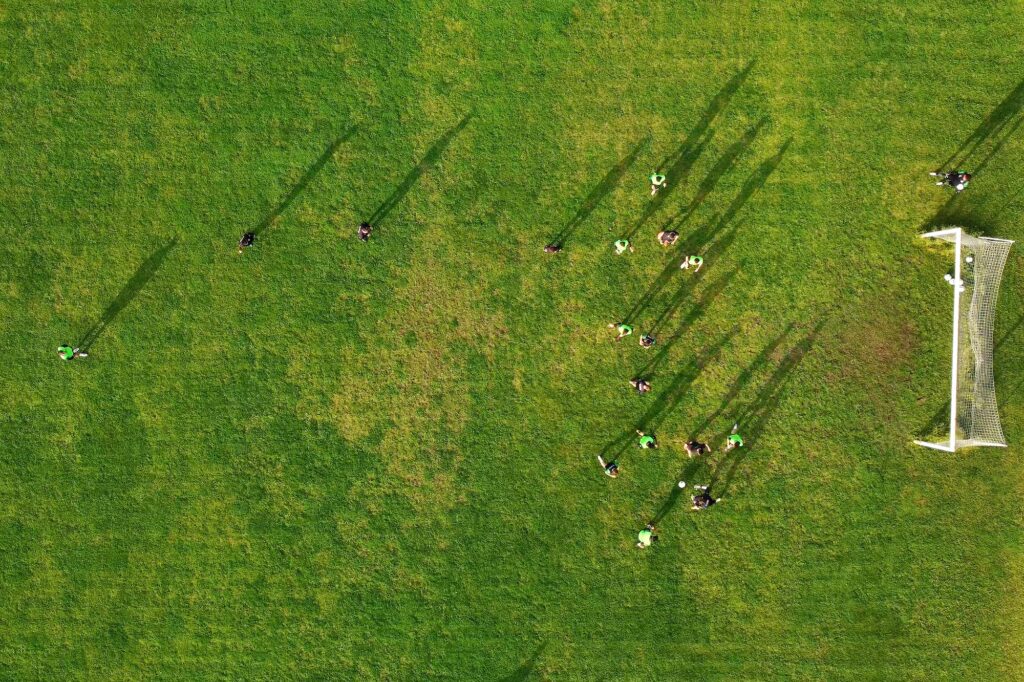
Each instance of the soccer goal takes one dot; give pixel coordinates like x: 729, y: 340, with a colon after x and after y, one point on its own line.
x: 977, y: 271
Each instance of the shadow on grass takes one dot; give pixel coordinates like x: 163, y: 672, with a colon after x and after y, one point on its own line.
x: 961, y: 211
x: 705, y: 299
x: 523, y: 672
x: 998, y: 126
x: 680, y: 383
x: 429, y: 159
x: 666, y: 400
x: 676, y: 493
x: 754, y: 417
x: 304, y: 181
x: 754, y: 182
x: 130, y: 290
x: 744, y: 378
x: 1009, y: 332
x: 694, y: 245
x: 937, y: 426
x: 717, y: 172
x: 663, y: 278
x: 677, y: 165
x: 607, y: 184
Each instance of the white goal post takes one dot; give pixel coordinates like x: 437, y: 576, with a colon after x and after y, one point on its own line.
x: 977, y: 272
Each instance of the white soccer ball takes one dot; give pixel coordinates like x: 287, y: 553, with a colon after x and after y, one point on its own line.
x: 948, y: 277
x: 969, y: 259
x: 682, y: 484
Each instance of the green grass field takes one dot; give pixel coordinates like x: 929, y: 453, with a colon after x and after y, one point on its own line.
x: 325, y: 459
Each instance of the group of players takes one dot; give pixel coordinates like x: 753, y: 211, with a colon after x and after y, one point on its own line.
x: 956, y: 179
x: 703, y: 499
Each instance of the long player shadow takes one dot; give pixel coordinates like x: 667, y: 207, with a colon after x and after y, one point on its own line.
x: 659, y: 283
x: 717, y: 172
x: 754, y: 182
x: 963, y: 211
x: 681, y: 382
x: 745, y: 377
x: 1009, y: 332
x: 128, y: 292
x: 609, y: 182
x: 678, y: 164
x: 676, y: 168
x: 429, y: 159
x: 938, y: 421
x: 755, y: 415
x: 676, y: 493
x: 523, y: 672
x: 304, y: 181
x: 998, y: 127
x: 704, y: 301
x: 999, y: 124
x: 668, y: 399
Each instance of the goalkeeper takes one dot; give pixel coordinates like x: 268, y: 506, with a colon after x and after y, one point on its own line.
x: 957, y: 179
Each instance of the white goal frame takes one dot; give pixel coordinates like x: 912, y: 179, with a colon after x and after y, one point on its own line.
x: 957, y: 233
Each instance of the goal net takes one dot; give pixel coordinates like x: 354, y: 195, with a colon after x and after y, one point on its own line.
x: 977, y: 271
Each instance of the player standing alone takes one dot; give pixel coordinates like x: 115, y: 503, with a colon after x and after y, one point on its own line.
x: 66, y: 352
x: 658, y: 181
x: 247, y: 240
x: 957, y: 179
x: 640, y: 385
x: 735, y: 440
x: 695, y: 447
x: 610, y: 468
x: 703, y: 499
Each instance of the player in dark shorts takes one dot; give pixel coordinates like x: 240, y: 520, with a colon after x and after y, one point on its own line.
x: 957, y: 179
x: 640, y: 385
x: 646, y: 341
x: 364, y: 232
x: 695, y: 447
x: 610, y: 468
x: 647, y: 440
x: 668, y: 237
x: 246, y: 241
x: 703, y: 499
x: 553, y: 248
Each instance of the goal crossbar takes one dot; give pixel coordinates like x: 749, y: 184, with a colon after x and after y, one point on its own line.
x: 980, y: 336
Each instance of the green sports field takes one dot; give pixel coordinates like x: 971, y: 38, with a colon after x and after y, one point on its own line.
x: 332, y: 460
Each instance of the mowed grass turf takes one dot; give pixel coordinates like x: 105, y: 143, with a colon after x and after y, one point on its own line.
x: 325, y: 459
